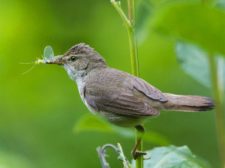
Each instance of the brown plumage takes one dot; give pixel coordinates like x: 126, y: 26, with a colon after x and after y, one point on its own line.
x: 121, y: 98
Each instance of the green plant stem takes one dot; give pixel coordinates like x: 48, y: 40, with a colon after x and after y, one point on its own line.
x: 117, y: 6
x: 133, y: 51
x: 139, y: 137
x: 134, y: 66
x: 219, y: 115
x: 130, y: 25
x: 132, y: 38
x: 130, y: 4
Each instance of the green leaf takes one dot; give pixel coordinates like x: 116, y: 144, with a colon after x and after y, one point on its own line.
x: 173, y: 157
x: 196, y: 23
x: 90, y: 123
x: 220, y: 4
x: 9, y: 160
x: 144, y: 11
x: 48, y: 53
x: 194, y: 62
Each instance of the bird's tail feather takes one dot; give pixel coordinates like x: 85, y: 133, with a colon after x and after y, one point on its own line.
x: 188, y: 103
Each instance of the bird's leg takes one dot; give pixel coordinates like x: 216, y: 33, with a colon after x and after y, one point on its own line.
x: 135, y: 152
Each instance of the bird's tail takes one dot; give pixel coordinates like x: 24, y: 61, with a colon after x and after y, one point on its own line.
x: 187, y: 103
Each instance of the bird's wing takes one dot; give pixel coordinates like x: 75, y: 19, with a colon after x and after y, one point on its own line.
x: 120, y: 93
x: 148, y: 90
x: 120, y: 103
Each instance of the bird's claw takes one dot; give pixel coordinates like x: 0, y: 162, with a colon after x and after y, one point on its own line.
x: 136, y: 154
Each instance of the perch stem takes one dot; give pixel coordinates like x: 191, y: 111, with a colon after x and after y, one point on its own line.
x: 135, y: 68
x: 132, y: 38
x: 219, y: 115
x: 130, y: 25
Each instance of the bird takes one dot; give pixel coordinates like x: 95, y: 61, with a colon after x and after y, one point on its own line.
x: 121, y: 98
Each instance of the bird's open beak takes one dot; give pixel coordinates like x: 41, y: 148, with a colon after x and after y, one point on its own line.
x: 56, y: 60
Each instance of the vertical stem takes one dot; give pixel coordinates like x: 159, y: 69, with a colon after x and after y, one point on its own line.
x: 219, y: 116
x: 132, y: 39
x: 218, y: 92
x: 131, y: 15
x: 139, y: 135
x: 133, y: 51
x: 139, y: 161
x: 134, y: 65
x: 130, y: 25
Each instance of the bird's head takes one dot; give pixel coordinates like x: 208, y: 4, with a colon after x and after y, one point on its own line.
x: 79, y: 60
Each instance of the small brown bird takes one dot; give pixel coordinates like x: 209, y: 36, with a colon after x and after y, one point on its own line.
x: 120, y: 97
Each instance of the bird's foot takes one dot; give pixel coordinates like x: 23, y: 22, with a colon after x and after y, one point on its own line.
x: 136, y: 154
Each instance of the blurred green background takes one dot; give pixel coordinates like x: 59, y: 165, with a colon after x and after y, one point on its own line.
x: 38, y: 110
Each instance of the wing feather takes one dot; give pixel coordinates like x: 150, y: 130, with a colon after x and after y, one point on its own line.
x: 120, y: 104
x: 147, y: 89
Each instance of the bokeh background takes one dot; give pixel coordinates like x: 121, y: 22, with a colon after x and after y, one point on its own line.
x: 38, y: 110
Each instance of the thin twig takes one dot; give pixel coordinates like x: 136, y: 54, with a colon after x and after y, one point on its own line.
x: 126, y: 163
x: 117, y: 6
x: 102, y: 155
x: 130, y: 24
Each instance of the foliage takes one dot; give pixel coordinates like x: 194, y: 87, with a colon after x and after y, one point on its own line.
x: 207, y: 30
x: 193, y: 59
x: 197, y: 23
x: 89, y: 123
x: 144, y: 12
x: 173, y: 157
x: 8, y: 160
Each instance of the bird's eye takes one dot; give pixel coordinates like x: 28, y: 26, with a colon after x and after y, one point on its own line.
x: 73, y: 58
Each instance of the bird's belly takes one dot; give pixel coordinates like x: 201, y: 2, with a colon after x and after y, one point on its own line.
x: 123, y: 121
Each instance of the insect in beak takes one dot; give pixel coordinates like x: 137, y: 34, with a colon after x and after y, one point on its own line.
x: 56, y: 60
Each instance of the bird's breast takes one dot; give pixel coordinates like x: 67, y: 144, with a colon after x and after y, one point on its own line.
x: 81, y: 88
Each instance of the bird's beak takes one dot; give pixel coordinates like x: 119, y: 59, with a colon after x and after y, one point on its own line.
x: 56, y: 60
